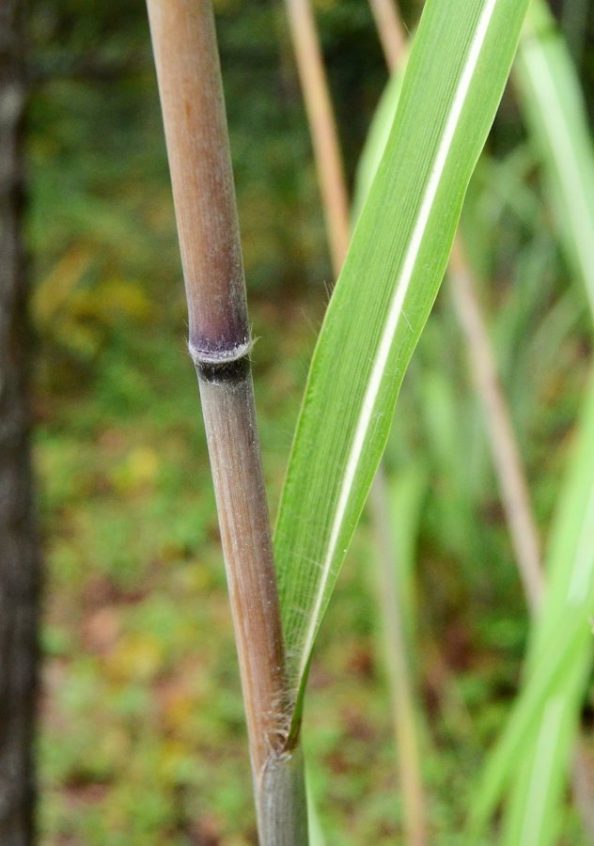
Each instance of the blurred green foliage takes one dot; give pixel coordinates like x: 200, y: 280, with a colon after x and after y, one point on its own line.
x: 142, y: 736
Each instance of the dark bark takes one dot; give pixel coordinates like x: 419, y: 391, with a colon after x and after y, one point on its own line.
x: 19, y: 562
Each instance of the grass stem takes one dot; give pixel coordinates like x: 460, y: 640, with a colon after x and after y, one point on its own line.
x: 186, y: 58
x: 322, y: 125
x: 391, y: 32
x: 503, y: 443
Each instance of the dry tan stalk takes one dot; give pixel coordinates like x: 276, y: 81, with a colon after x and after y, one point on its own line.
x: 391, y: 32
x: 504, y: 447
x: 328, y: 159
x: 186, y: 57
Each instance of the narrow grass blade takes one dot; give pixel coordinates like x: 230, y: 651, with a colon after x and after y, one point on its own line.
x: 392, y: 538
x: 537, y: 791
x: 334, y: 194
x: 558, y: 659
x: 314, y: 826
x: 406, y: 496
x: 453, y: 84
x: 534, y: 813
x: 552, y: 101
x: 504, y: 448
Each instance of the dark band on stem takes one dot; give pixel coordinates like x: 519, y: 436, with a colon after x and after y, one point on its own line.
x: 224, y: 371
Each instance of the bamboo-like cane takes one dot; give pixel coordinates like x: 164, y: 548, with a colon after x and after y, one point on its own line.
x: 186, y: 58
x: 333, y: 190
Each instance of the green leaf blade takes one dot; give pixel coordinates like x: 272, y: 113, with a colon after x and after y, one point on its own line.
x: 453, y: 84
x: 559, y: 658
x: 553, y: 104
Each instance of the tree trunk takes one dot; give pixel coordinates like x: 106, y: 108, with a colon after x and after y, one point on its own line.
x: 19, y: 561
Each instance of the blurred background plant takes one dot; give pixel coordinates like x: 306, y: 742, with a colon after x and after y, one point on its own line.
x: 142, y: 726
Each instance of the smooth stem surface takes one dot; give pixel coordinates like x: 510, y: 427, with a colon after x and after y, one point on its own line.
x: 186, y: 57
x: 230, y: 423
x: 328, y: 158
